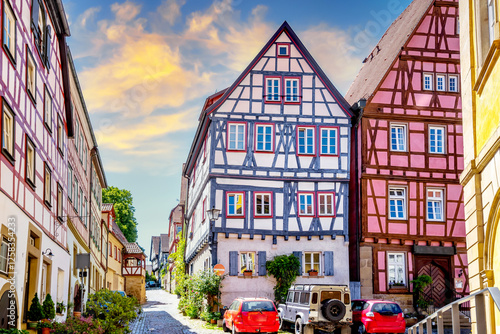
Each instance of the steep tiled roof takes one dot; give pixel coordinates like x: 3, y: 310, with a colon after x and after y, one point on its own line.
x: 164, y: 243
x: 118, y: 233
x: 388, y: 48
x: 155, y: 246
x: 107, y: 207
x: 132, y: 248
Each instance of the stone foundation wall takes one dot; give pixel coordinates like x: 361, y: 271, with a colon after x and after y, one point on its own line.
x: 405, y: 301
x: 136, y: 286
x: 366, y: 272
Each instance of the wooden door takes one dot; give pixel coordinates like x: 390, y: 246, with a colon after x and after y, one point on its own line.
x: 440, y: 292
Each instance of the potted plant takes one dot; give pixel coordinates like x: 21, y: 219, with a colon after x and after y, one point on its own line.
x: 60, y: 307
x: 312, y: 272
x: 49, y: 309
x: 247, y: 273
x: 45, y: 327
x: 35, y: 313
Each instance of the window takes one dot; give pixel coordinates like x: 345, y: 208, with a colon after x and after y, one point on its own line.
x: 396, y: 269
x: 326, y: 204
x: 77, y: 135
x: 397, y: 203
x: 60, y: 135
x: 59, y: 202
x: 235, y: 205
x: 76, y: 198
x: 70, y: 183
x: 81, y: 204
x: 283, y: 50
x: 30, y: 162
x: 9, y: 30
x: 110, y: 249
x: 305, y: 138
x: 329, y: 141
x: 247, y: 261
x: 292, y: 88
x: 237, y: 136
x: 306, y: 204
x: 8, y: 132
x: 436, y: 139
x: 85, y: 211
x: 47, y: 187
x: 440, y: 82
x: 204, y: 210
x: 453, y: 83
x: 31, y: 76
x: 428, y: 79
x: 435, y: 203
x: 48, y: 110
x: 264, y: 137
x: 116, y: 254
x: 263, y: 204
x: 273, y: 91
x: 491, y: 20
x: 312, y: 261
x: 398, y: 137
x: 4, y: 253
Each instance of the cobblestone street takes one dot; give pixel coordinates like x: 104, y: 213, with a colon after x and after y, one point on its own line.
x: 162, y: 317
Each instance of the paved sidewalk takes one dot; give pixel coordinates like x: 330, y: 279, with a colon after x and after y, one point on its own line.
x: 161, y: 316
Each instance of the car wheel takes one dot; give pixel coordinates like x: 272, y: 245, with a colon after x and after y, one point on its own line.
x: 361, y: 329
x: 282, y: 325
x: 234, y: 330
x: 333, y: 310
x: 298, y: 326
x: 224, y: 327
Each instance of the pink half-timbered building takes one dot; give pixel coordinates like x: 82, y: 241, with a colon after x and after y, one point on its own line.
x: 408, y: 217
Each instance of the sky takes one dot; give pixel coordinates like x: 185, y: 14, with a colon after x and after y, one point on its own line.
x: 146, y: 67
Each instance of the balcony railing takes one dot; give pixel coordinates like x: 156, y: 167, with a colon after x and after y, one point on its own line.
x: 437, y: 318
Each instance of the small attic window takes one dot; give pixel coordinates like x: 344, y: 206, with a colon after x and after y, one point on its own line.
x: 283, y: 50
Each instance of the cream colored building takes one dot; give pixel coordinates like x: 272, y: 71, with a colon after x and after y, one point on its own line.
x: 480, y: 52
x: 116, y: 240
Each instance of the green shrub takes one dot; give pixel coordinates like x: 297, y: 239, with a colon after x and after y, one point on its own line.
x: 49, y: 310
x: 78, y: 325
x: 113, y: 311
x: 12, y: 331
x: 284, y: 268
x: 35, y: 313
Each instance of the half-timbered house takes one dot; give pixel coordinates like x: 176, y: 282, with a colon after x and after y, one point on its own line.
x: 272, y: 153
x: 408, y: 217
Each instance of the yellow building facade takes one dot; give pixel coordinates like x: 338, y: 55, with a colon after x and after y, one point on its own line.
x: 116, y: 239
x: 480, y: 66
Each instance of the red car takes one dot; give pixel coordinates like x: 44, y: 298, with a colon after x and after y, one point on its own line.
x: 377, y: 316
x: 251, y: 315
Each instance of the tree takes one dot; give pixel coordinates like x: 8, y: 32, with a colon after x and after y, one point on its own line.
x: 124, y: 210
x: 284, y: 268
x: 49, y: 310
x: 35, y: 313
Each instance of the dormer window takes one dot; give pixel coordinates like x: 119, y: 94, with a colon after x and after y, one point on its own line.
x: 283, y: 50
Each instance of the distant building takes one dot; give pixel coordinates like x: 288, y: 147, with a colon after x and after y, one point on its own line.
x: 272, y: 152
x: 408, y: 217
x: 154, y: 255
x: 134, y: 271
x: 116, y: 242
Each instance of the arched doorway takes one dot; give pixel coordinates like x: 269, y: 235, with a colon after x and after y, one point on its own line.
x: 8, y: 310
x: 77, y: 299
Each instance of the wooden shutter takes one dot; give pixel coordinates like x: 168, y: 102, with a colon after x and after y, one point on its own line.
x: 35, y: 7
x: 47, y: 42
x: 328, y: 263
x: 233, y: 263
x: 262, y: 263
x: 298, y: 255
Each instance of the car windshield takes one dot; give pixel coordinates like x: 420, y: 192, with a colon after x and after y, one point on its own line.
x: 386, y: 308
x: 258, y: 306
x: 357, y: 305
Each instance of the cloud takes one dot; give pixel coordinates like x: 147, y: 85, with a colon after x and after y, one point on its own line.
x: 170, y: 10
x: 126, y: 11
x: 89, y: 15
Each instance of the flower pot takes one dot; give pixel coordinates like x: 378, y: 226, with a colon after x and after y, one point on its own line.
x: 77, y: 314
x: 219, y: 323
x: 32, y: 325
x: 247, y: 273
x: 213, y: 321
x: 45, y: 330
x: 313, y: 273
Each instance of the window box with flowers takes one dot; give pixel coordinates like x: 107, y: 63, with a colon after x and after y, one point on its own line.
x: 247, y: 273
x: 313, y: 272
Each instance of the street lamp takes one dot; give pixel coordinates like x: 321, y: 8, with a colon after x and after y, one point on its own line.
x: 213, y: 214
x: 48, y: 252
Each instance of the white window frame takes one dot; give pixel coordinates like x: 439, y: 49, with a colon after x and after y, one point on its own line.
x: 9, y: 30
x: 329, y: 139
x: 47, y: 186
x: 491, y: 20
x: 239, y: 131
x: 8, y: 130
x: 47, y: 109
x: 396, y: 265
x: 400, y: 146
x: 236, y: 195
x: 428, y: 81
x: 310, y: 263
x: 292, y: 93
x: 249, y: 265
x: 434, y: 148
x: 30, y: 161
x: 286, y: 47
x: 442, y: 83
x: 303, y: 202
x: 273, y: 84
x: 264, y: 140
x: 60, y: 136
x: 70, y: 183
x: 450, y: 77
x: 60, y: 198
x: 309, y: 141
x: 262, y: 195
x: 4, y: 254
x: 324, y: 205
x: 75, y: 189
x: 31, y: 75
x: 437, y: 203
x: 398, y: 198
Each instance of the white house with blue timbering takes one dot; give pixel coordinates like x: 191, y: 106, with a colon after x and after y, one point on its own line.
x: 272, y: 153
